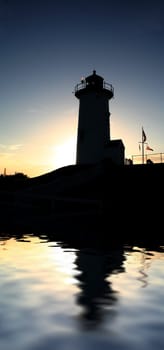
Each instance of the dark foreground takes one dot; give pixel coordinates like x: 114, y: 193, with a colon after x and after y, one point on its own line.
x: 104, y: 204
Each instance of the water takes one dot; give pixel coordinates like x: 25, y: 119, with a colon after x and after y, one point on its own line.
x: 57, y: 297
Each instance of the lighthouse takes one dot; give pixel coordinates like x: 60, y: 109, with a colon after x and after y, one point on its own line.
x: 94, y: 143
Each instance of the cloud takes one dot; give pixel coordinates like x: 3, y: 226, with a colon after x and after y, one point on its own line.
x: 2, y: 146
x: 15, y: 147
x: 12, y: 147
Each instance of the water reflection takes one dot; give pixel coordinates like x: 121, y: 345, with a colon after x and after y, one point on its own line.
x: 60, y: 295
x: 96, y: 292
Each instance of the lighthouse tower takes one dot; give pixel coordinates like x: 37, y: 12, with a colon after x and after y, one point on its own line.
x: 93, y: 137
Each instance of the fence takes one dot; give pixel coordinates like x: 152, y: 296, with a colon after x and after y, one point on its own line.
x: 149, y: 157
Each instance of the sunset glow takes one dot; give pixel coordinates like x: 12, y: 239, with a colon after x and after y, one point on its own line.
x: 42, y: 59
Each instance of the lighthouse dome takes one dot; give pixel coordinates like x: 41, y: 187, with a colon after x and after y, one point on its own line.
x: 94, y: 80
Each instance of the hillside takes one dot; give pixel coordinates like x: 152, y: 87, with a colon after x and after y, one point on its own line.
x: 104, y: 199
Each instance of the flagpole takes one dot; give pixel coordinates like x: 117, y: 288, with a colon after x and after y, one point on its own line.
x: 144, y: 138
x: 142, y: 151
x: 143, y: 141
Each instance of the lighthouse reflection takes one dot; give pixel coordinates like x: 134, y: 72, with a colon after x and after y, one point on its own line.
x: 96, y: 294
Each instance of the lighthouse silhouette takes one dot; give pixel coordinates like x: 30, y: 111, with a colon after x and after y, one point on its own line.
x: 93, y: 136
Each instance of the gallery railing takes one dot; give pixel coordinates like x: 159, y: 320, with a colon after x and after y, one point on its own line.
x: 148, y: 158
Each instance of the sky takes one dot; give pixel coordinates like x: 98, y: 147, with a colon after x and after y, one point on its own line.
x: 47, y: 46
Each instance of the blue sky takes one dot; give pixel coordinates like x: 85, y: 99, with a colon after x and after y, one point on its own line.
x: 47, y: 46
